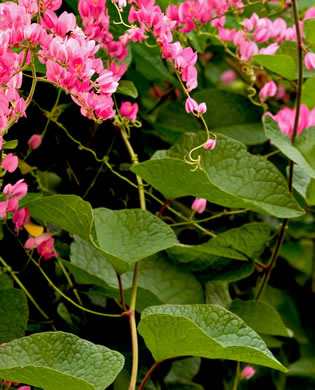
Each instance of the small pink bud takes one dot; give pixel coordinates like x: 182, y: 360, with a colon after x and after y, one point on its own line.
x: 199, y: 205
x: 10, y: 162
x: 1, y: 142
x: 35, y: 141
x: 202, y: 108
x: 248, y: 372
x: 24, y: 388
x: 210, y: 144
x: 310, y: 61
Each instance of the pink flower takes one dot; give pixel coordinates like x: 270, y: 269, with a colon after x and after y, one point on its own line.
x: 199, y: 205
x: 269, y: 89
x: 129, y: 110
x: 44, y: 244
x: 228, y: 77
x: 35, y: 141
x: 19, y: 189
x: 24, y: 388
x: 191, y: 105
x: 210, y: 144
x: 10, y: 162
x: 20, y: 218
x: 248, y: 372
x: 310, y: 61
x: 1, y: 142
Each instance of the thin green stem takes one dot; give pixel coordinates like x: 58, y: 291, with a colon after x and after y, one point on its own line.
x: 26, y: 292
x: 237, y: 376
x: 65, y: 272
x: 148, y: 374
x: 69, y: 299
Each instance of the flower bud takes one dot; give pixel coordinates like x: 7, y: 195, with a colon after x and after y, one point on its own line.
x: 35, y: 141
x: 199, y: 205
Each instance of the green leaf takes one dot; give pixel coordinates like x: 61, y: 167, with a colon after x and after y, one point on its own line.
x: 308, y: 96
x: 283, y: 65
x: 261, y: 317
x: 228, y: 270
x: 6, y: 282
x: 127, y: 88
x: 299, y: 255
x: 68, y: 212
x: 303, y: 367
x: 127, y: 236
x: 166, y: 282
x: 13, y: 314
x: 241, y: 243
x: 10, y: 144
x: 184, y: 369
x: 148, y: 62
x: 226, y: 108
x: 172, y: 121
x: 230, y: 176
x: 58, y: 360
x: 299, y: 152
x: 247, y: 133
x: 217, y: 293
x: 207, y: 331
x: 309, y: 31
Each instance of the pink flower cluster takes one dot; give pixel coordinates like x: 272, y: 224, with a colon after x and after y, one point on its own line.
x: 44, y: 244
x: 95, y: 20
x: 285, y: 119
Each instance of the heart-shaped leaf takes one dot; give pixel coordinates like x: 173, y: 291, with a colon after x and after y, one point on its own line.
x: 58, y: 360
x: 207, y: 331
x: 127, y: 236
x: 230, y: 176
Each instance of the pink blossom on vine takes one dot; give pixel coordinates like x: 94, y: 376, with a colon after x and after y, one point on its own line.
x: 44, y: 244
x: 129, y: 110
x: 191, y: 105
x: 269, y: 89
x: 20, y: 218
x: 18, y: 190
x: 228, y: 77
x: 285, y: 119
x: 210, y: 144
x: 248, y: 372
x: 35, y: 141
x: 310, y: 60
x: 59, y: 25
x: 199, y: 205
x: 10, y: 162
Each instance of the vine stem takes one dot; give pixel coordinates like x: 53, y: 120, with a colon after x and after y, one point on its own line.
x: 237, y: 375
x: 148, y: 374
x: 26, y: 292
x: 132, y: 320
x: 284, y: 224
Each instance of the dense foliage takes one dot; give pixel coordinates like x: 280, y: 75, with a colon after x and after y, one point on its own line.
x: 157, y: 194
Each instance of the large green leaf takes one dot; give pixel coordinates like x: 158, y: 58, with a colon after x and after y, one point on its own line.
x: 241, y: 243
x: 57, y: 360
x: 6, y: 282
x: 69, y: 212
x: 303, y: 150
x: 283, y: 65
x: 148, y: 62
x: 127, y: 236
x: 13, y: 314
x: 230, y: 176
x: 166, y: 282
x: 261, y: 317
x: 207, y: 331
x: 248, y: 133
x: 226, y: 108
x: 309, y: 30
x: 284, y: 62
